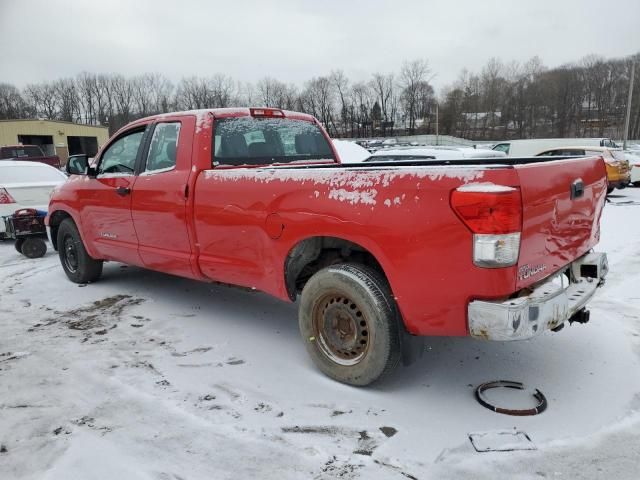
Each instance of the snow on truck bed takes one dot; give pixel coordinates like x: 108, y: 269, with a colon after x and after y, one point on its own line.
x: 147, y: 376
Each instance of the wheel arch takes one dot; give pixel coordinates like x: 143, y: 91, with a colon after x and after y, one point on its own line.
x: 311, y: 254
x: 55, y: 219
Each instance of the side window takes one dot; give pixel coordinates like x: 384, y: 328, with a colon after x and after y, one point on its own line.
x: 164, y: 144
x: 548, y: 153
x: 503, y: 147
x: 121, y: 155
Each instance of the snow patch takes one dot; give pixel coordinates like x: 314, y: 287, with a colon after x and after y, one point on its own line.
x: 350, y: 185
x: 351, y: 178
x: 368, y: 197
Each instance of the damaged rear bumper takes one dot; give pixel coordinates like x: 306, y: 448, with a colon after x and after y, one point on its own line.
x: 550, y: 303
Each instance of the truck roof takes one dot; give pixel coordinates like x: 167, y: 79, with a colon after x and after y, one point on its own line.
x: 226, y: 112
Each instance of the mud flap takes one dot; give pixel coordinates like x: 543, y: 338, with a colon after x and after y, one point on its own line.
x: 412, y: 348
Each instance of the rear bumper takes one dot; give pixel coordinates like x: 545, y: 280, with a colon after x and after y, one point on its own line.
x: 549, y: 305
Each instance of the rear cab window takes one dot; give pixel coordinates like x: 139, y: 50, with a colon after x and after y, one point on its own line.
x: 163, y: 148
x: 264, y: 141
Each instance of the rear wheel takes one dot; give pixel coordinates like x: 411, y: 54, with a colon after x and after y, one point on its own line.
x: 349, y: 323
x: 76, y: 262
x: 33, y: 247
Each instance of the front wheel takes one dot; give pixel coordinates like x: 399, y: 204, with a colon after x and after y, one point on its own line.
x: 76, y: 262
x: 349, y: 323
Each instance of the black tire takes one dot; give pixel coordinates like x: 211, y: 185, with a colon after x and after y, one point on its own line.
x: 18, y: 244
x: 33, y: 247
x: 349, y: 324
x: 76, y: 262
x: 610, y: 189
x: 636, y: 184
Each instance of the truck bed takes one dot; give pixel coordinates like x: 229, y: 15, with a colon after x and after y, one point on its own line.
x: 250, y: 218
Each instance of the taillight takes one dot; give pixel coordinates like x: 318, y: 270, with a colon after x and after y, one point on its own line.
x: 5, y: 197
x: 493, y: 213
x: 266, y: 112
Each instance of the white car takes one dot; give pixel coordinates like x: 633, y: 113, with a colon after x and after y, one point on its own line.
x: 532, y: 147
x: 634, y: 163
x: 26, y: 185
x: 433, y: 153
x: 350, y: 152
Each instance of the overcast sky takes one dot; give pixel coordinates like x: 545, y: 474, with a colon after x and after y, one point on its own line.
x: 296, y: 40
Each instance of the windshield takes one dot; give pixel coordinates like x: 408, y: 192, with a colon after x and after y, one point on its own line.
x: 502, y: 147
x: 20, y: 152
x: 259, y: 141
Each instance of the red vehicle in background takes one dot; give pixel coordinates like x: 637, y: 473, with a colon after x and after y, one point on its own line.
x: 31, y: 153
x: 380, y: 254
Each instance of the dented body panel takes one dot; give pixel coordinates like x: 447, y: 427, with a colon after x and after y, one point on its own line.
x: 557, y: 228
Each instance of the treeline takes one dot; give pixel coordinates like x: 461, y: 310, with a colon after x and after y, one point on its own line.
x: 346, y: 109
x: 586, y: 99
x: 501, y: 101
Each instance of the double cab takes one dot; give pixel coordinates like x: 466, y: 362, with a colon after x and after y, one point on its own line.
x: 378, y: 254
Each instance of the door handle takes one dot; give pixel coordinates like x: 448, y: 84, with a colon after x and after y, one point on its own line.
x: 577, y: 189
x: 123, y: 191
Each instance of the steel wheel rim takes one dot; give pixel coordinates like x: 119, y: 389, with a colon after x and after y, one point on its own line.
x: 70, y: 254
x: 341, y: 329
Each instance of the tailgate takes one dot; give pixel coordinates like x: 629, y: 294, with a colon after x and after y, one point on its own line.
x: 558, y: 226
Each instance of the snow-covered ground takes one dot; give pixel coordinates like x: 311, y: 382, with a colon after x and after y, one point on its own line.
x: 148, y: 376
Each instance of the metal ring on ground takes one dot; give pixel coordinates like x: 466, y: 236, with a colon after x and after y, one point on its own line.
x: 542, y: 401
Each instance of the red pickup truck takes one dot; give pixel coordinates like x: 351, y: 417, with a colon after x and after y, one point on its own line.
x: 32, y: 153
x: 380, y: 254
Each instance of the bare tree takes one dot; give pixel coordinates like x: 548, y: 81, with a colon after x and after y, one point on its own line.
x: 68, y: 99
x: 318, y: 100
x: 341, y: 84
x: 383, y: 86
x: 412, y: 75
x: 43, y: 100
x: 12, y: 105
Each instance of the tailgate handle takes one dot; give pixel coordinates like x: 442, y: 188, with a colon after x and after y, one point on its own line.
x: 577, y: 189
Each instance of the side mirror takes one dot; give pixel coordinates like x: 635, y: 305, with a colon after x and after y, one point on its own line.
x: 77, y: 164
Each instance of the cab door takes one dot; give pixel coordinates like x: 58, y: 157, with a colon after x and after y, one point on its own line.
x: 159, y: 197
x: 106, y: 201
